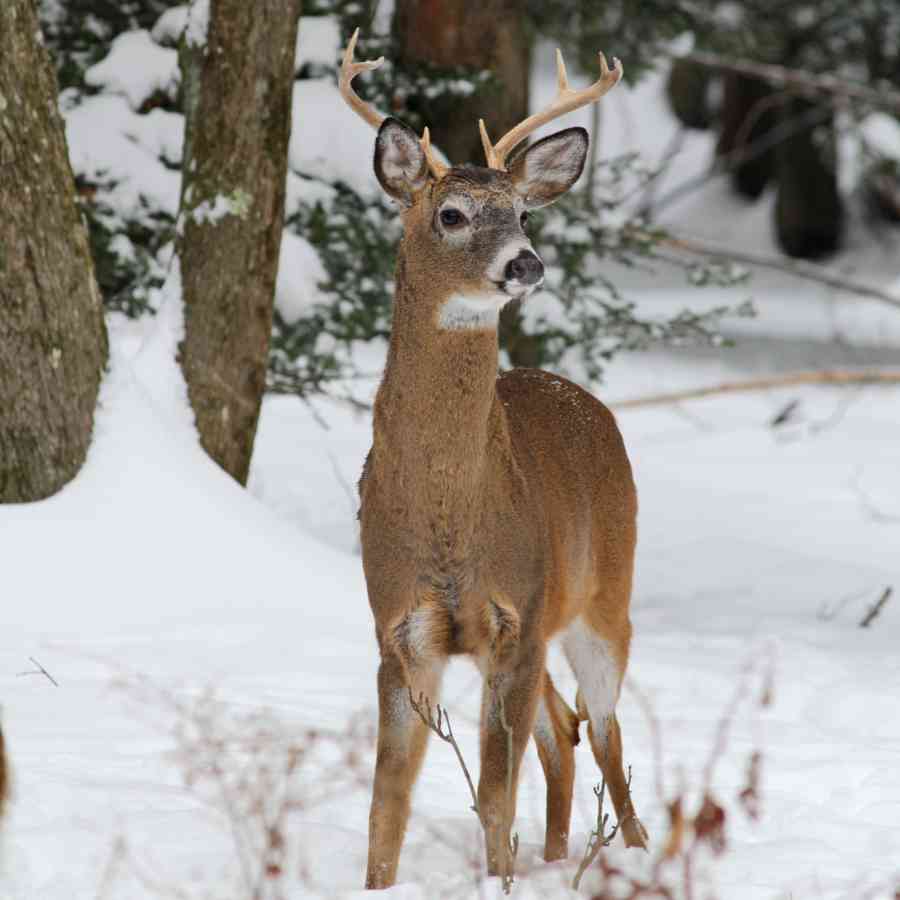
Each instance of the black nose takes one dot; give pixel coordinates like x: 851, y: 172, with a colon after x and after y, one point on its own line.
x: 526, y: 268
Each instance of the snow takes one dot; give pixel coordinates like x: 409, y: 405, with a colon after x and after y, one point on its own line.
x: 322, y: 124
x: 161, y: 565
x: 299, y: 272
x: 100, y: 149
x: 136, y: 67
x: 318, y: 41
x: 154, y: 570
x: 170, y: 26
x: 882, y: 133
x: 197, y: 24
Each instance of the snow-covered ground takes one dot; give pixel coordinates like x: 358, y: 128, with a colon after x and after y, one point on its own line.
x: 153, y: 578
x: 755, y: 544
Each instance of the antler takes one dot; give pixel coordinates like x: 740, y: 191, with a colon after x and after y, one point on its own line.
x: 566, y: 101
x: 349, y: 70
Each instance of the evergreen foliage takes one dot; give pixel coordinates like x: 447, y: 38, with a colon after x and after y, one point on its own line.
x: 580, y: 323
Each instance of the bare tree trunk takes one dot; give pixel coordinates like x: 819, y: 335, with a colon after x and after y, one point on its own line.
x: 488, y: 35
x: 809, y: 211
x: 747, y: 116
x: 52, y: 334
x: 238, y: 102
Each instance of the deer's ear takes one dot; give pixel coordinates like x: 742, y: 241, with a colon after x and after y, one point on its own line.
x: 544, y: 171
x: 400, y: 164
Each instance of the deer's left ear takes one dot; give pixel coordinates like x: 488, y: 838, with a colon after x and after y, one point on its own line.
x: 544, y: 171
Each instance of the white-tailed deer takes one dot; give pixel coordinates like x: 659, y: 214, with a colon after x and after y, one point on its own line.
x: 496, y: 512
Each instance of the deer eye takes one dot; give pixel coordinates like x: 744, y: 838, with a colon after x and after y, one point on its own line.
x: 523, y: 219
x: 452, y: 218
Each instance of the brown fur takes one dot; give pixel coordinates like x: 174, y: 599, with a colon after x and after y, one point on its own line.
x: 494, y: 512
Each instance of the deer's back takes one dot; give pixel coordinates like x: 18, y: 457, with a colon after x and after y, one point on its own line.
x: 570, y: 450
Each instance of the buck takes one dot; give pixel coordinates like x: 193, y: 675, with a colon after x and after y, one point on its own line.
x: 496, y: 512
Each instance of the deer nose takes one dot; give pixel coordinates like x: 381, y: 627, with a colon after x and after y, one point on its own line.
x: 525, y: 268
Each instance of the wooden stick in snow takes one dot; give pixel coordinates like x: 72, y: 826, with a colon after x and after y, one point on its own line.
x: 828, y: 377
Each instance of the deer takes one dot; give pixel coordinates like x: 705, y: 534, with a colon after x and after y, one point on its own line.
x: 497, y: 511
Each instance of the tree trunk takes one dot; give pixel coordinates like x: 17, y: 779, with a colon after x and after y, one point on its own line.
x: 747, y: 116
x: 238, y: 104
x: 52, y: 334
x: 687, y: 89
x: 809, y: 211
x: 488, y: 35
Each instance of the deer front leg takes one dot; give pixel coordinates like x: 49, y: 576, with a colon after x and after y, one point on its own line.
x: 402, y: 738
x: 508, y: 709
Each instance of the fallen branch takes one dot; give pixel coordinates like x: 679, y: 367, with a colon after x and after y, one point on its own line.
x: 806, y: 271
x: 39, y: 670
x: 801, y: 81
x: 828, y: 377
x: 875, y: 609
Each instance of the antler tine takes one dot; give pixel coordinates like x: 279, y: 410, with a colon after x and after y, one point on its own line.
x: 437, y: 168
x: 566, y: 101
x: 349, y: 71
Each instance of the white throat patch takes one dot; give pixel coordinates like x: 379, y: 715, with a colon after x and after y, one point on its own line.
x: 461, y: 312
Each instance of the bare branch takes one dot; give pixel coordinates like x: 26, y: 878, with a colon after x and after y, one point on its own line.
x: 441, y: 726
x: 873, y: 513
x: 598, y: 838
x: 875, y: 609
x: 743, y: 153
x: 508, y: 876
x: 840, y: 89
x: 39, y: 670
x: 806, y: 271
x: 826, y: 377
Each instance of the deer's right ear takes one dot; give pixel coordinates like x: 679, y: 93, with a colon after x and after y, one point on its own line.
x: 400, y: 163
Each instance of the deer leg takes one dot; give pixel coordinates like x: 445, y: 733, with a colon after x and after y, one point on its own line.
x: 599, y: 667
x: 402, y: 739
x: 556, y: 734
x: 508, y: 707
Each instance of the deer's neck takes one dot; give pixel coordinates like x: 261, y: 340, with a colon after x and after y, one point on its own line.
x: 436, y: 416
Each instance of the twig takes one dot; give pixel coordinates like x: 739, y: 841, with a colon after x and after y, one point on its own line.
x: 872, y: 511
x: 442, y: 728
x: 801, y: 81
x: 656, y: 744
x: 830, y: 377
x: 599, y: 838
x: 876, y: 608
x: 806, y: 271
x: 342, y: 481
x: 513, y: 849
x: 39, y: 670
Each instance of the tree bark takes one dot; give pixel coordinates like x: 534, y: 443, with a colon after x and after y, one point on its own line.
x: 238, y: 104
x: 488, y: 35
x: 747, y: 116
x: 809, y: 211
x: 52, y: 334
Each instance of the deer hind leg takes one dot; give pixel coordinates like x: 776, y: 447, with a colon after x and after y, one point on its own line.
x: 556, y: 734
x: 599, y: 666
x: 408, y: 665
